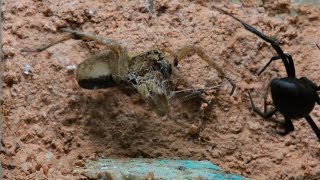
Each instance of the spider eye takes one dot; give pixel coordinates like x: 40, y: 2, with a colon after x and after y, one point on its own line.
x: 156, y: 51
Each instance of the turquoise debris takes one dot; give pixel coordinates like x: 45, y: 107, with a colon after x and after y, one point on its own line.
x: 151, y: 169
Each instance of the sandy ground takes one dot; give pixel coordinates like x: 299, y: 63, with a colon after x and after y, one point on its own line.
x: 51, y: 125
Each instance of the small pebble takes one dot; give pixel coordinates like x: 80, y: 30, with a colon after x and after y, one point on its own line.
x: 193, y: 130
x: 49, y: 156
x: 90, y: 12
x: 71, y: 67
x: 27, y: 69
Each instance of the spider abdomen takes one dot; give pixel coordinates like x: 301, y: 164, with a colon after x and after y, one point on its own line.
x: 292, y: 97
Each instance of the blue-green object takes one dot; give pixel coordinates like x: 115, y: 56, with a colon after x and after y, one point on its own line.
x: 150, y: 169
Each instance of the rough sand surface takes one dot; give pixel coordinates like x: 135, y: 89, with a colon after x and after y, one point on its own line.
x: 51, y: 125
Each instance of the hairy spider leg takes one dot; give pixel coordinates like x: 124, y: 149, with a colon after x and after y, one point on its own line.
x: 77, y: 35
x: 120, y: 51
x: 114, y: 46
x: 193, y: 92
x: 190, y: 50
x: 286, y: 58
x: 46, y: 46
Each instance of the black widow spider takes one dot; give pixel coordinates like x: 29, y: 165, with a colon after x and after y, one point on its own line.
x: 292, y: 97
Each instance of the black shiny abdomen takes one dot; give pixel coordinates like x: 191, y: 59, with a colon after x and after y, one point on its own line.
x: 292, y: 97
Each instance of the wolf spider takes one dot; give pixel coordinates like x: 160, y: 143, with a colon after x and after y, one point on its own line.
x: 148, y: 72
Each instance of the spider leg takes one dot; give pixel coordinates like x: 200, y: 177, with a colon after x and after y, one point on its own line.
x: 121, y: 52
x: 286, y: 59
x: 46, y: 46
x: 265, y: 101
x: 274, y: 58
x: 288, y: 127
x: 313, y: 126
x: 191, y: 50
x: 79, y: 36
x: 87, y: 36
x: 264, y: 114
x: 114, y: 46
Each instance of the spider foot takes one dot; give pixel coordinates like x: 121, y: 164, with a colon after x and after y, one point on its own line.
x: 264, y: 114
x: 282, y: 132
x: 287, y: 127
